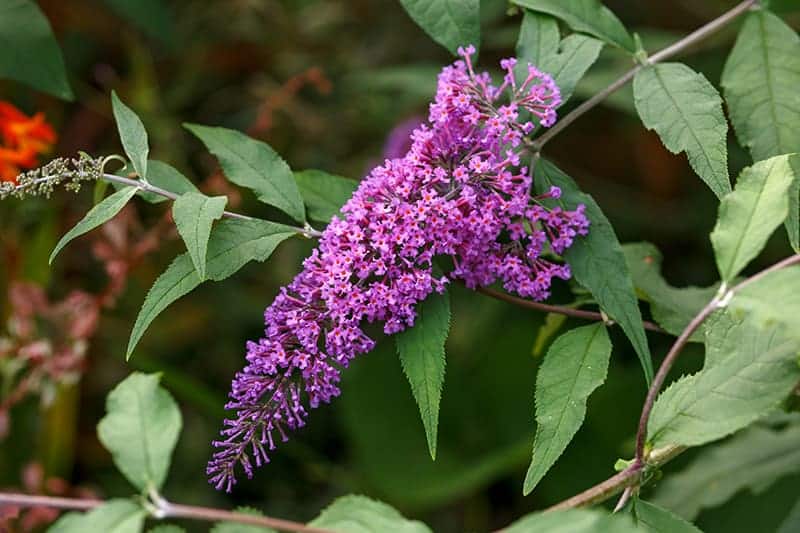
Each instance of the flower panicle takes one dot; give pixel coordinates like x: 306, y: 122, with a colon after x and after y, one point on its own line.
x: 42, y: 181
x: 460, y: 192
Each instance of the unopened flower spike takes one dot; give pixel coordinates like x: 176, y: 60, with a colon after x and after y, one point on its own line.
x: 458, y: 192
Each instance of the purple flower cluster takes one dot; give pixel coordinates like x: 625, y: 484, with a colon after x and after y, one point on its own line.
x: 458, y: 193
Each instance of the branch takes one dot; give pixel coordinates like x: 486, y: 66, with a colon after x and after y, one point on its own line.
x: 166, y: 509
x: 679, y: 46
x: 561, y: 310
x: 148, y: 187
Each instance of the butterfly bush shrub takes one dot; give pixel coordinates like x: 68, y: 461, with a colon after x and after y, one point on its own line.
x: 470, y: 196
x: 461, y: 193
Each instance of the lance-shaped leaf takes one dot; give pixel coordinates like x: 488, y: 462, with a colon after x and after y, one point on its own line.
x: 233, y: 243
x: 567, y: 61
x: 673, y: 308
x: 760, y: 82
x: 421, y: 351
x: 194, y: 214
x: 451, y: 23
x: 748, y: 216
x: 585, y: 16
x: 358, y: 514
x: 575, y: 365
x: 324, y: 194
x: 140, y: 429
x: 751, y: 460
x: 654, y: 519
x: 686, y: 112
x: 114, y: 516
x: 98, y: 215
x: 30, y: 52
x: 255, y: 165
x: 573, y: 521
x: 748, y: 372
x: 597, y: 261
x: 132, y: 135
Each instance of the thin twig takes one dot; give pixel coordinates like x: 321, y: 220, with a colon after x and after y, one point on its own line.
x: 167, y: 509
x: 561, y: 310
x: 691, y: 39
x: 148, y: 187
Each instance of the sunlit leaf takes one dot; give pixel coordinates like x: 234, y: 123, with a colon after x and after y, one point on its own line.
x: 747, y: 373
x: 140, y: 429
x: 748, y: 216
x: 324, y: 194
x: 655, y: 519
x: 573, y: 521
x: 114, y: 516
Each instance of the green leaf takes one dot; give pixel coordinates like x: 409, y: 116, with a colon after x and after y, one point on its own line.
x: 566, y: 60
x: 585, y: 16
x: 451, y: 23
x: 30, y: 52
x: 194, y: 214
x: 673, y: 308
x: 97, y: 216
x: 686, y: 112
x: 747, y: 373
x: 132, y: 135
x: 573, y: 521
x: 760, y: 83
x: 769, y: 301
x: 359, y: 514
x: 575, y: 365
x: 255, y: 165
x: 140, y: 429
x: 538, y: 39
x: 233, y: 243
x: 168, y: 178
x: 114, y: 516
x: 748, y: 216
x: 597, y: 261
x: 421, y: 351
x: 324, y: 194
x: 655, y: 519
x: 236, y: 527
x: 751, y: 460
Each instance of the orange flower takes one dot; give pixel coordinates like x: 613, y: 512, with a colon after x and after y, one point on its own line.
x: 23, y: 139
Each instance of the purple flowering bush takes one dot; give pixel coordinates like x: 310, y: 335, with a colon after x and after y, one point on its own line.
x: 461, y: 193
x: 472, y: 197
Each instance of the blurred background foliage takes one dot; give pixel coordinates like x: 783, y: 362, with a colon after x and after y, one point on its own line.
x: 324, y: 82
